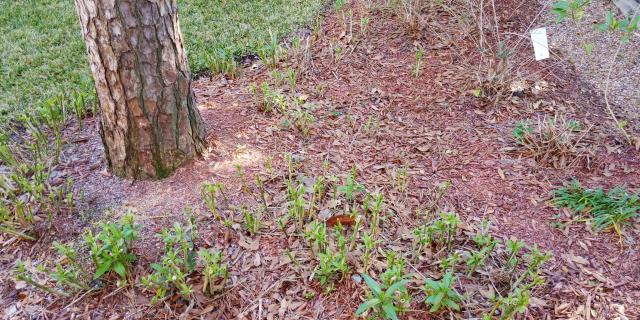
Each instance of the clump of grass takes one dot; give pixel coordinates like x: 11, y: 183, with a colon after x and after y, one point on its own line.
x: 612, y: 209
x: 270, y: 52
x: 268, y: 99
x: 224, y: 63
x: 555, y: 142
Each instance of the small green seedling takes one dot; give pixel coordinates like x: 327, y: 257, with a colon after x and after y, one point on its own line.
x: 252, y: 221
x: 209, y: 192
x: 383, y: 300
x: 351, y: 188
x: 418, y: 65
x: 215, y: 272
x: 112, y: 248
x: 364, y: 25
x: 442, y: 294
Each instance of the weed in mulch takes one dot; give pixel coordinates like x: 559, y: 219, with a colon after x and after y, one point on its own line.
x: 554, y: 141
x: 604, y: 210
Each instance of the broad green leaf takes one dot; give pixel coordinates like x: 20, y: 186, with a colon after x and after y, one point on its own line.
x: 367, y: 305
x: 102, y: 269
x: 390, y: 311
x: 435, y: 301
x: 393, y: 288
x: 431, y: 284
x: 119, y: 268
x: 373, y: 285
x: 452, y: 305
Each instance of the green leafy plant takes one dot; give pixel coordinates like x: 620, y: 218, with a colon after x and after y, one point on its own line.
x: 445, y: 228
x: 522, y: 131
x: 395, y: 272
x: 209, y: 192
x: 30, y: 153
x: 573, y: 9
x: 67, y: 272
x: 316, y: 235
x: 215, y: 272
x: 612, y: 209
x: 337, y: 52
x: 517, y: 300
x: 370, y: 243
x: 53, y: 113
x: 626, y: 25
x: 401, y: 181
x: 351, y: 188
x: 476, y: 259
x: 303, y: 120
x: 318, y: 193
x: 268, y: 164
x: 23, y: 273
x: 451, y: 262
x: 223, y: 63
x: 333, y: 265
x: 364, y: 25
x: 252, y: 221
x: 270, y: 52
x: 297, y: 203
x: 382, y: 299
x: 112, y: 248
x: 292, y: 79
x: 376, y: 209
x: 81, y: 99
x: 513, y: 249
x: 268, y: 100
x: 178, y: 262
x: 486, y: 244
x: 442, y: 294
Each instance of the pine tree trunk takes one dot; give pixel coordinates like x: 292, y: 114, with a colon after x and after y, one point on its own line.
x: 149, y: 121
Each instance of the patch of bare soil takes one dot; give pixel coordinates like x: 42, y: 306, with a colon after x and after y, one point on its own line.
x: 372, y: 113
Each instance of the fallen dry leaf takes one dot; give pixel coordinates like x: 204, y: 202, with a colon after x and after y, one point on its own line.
x: 343, y: 219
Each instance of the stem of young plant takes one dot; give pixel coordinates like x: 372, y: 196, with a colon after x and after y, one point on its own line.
x: 16, y: 233
x: 354, y: 235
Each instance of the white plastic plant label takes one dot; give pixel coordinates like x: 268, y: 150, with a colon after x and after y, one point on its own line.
x: 540, y: 43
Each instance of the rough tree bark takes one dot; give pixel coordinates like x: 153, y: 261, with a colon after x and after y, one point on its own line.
x: 149, y: 121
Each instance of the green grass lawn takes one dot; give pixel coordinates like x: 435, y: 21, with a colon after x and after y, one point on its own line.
x: 42, y: 52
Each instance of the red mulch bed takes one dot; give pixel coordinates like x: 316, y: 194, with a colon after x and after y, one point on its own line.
x: 430, y: 124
